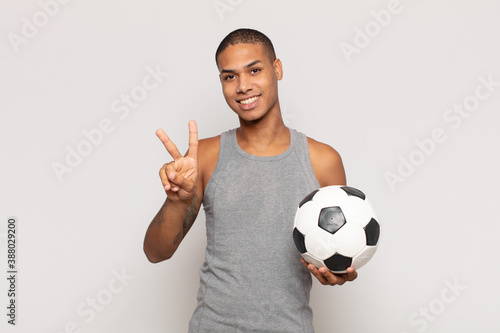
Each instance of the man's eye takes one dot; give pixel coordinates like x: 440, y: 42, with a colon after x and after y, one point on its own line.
x: 229, y: 77
x: 255, y: 70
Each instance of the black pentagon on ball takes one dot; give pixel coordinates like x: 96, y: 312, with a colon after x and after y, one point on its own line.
x: 308, y: 197
x: 353, y: 192
x: 338, y: 262
x: 372, y: 232
x: 298, y: 238
x: 331, y: 219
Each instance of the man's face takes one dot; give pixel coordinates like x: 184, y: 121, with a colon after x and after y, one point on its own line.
x: 249, y: 80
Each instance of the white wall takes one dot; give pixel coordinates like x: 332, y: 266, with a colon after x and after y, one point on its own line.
x: 380, y: 100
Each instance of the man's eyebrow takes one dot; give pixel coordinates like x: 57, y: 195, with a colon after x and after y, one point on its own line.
x: 246, y: 66
x: 252, y: 63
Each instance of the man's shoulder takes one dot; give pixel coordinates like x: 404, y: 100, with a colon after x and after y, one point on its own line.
x: 320, y: 149
x: 208, y: 154
x: 210, y: 142
x: 326, y: 162
x: 208, y: 148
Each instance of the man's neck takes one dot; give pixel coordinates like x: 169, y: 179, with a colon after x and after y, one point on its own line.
x: 264, y: 138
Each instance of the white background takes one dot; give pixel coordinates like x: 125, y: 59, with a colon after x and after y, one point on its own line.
x: 436, y: 266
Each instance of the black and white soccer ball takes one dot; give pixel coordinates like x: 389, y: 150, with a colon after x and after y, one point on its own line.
x: 336, y: 227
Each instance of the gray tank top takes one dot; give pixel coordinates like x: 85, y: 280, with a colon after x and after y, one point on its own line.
x: 252, y: 279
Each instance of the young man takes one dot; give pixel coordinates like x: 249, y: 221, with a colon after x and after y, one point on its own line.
x: 250, y: 181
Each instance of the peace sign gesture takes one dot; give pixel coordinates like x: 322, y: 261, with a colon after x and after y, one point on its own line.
x: 180, y: 177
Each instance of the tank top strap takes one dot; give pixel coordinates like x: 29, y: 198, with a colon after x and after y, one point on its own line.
x: 226, y: 144
x: 301, y: 149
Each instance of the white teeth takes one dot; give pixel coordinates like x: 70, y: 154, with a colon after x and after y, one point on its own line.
x: 249, y: 101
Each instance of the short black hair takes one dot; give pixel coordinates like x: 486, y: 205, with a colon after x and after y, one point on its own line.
x: 246, y: 36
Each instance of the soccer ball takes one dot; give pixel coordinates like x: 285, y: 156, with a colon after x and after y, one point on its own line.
x: 336, y: 227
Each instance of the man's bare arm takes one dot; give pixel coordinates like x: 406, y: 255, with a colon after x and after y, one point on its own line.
x: 168, y: 229
x: 329, y: 170
x: 181, y: 181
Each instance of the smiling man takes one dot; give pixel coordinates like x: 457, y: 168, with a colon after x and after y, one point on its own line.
x: 250, y: 181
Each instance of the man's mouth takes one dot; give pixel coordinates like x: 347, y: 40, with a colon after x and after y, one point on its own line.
x: 249, y: 100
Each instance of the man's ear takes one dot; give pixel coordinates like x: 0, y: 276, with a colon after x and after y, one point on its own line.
x: 278, y: 68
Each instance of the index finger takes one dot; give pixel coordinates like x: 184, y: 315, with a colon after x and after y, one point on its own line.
x: 169, y: 145
x: 193, y: 140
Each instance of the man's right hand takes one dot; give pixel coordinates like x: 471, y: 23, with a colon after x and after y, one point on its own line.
x: 180, y: 177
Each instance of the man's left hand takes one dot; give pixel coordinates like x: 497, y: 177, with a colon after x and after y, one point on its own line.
x: 326, y: 277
